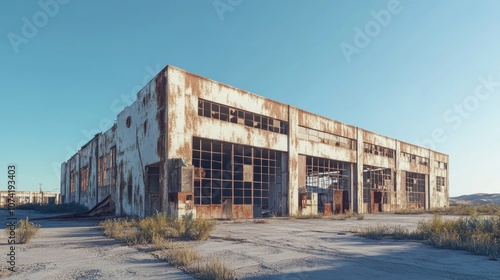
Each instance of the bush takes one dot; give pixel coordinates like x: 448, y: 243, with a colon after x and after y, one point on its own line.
x: 197, y: 229
x: 24, y: 231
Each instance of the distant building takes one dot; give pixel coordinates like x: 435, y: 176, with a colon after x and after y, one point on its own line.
x: 192, y: 144
x: 24, y: 197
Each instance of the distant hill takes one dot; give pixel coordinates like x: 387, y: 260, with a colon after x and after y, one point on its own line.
x: 477, y: 198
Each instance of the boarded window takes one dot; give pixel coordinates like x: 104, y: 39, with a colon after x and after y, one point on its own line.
x: 72, y: 181
x: 112, y: 165
x: 102, y: 171
x: 440, y: 183
x: 84, y: 178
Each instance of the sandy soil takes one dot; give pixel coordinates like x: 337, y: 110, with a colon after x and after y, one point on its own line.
x: 79, y: 250
x: 280, y: 249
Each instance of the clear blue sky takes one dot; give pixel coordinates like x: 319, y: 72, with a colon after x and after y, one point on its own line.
x: 64, y: 69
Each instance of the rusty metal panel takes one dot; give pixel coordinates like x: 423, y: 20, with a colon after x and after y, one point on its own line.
x: 338, y: 201
x: 247, y: 173
x: 203, y: 211
x: 242, y: 211
x: 227, y: 209
x: 328, y: 209
x: 303, y: 201
x: 215, y: 211
x: 187, y: 179
x: 302, y: 171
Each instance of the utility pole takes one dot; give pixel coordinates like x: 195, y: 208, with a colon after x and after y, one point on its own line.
x: 41, y: 193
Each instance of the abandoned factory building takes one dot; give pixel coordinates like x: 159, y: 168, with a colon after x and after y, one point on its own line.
x: 190, y: 144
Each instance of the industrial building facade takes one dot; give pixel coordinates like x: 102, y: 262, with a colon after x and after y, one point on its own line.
x: 190, y: 144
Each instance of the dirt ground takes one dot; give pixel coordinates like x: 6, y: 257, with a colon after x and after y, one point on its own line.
x: 279, y: 249
x: 78, y: 250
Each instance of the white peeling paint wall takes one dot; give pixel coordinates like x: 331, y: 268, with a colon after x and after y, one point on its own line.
x: 136, y: 148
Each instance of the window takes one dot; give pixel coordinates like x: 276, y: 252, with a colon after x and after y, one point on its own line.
x: 326, y: 138
x: 241, y: 174
x: 414, y: 158
x: 102, y: 171
x: 440, y: 183
x: 378, y: 150
x: 415, y: 190
x: 112, y: 165
x: 442, y: 165
x: 72, y: 181
x: 229, y: 114
x: 84, y: 178
x: 379, y: 179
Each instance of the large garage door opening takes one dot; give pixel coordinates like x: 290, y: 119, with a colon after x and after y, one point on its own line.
x: 326, y: 186
x: 237, y: 181
x: 379, y: 189
x: 415, y: 190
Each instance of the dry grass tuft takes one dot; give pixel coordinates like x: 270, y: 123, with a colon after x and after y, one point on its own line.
x: 260, y: 221
x: 24, y: 231
x: 142, y: 231
x: 479, y: 235
x: 214, y: 268
x: 181, y: 256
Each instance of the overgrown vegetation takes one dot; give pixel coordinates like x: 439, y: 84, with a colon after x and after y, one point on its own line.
x: 141, y: 231
x: 466, y: 210
x: 24, y: 231
x: 54, y: 208
x: 159, y: 229
x: 477, y: 234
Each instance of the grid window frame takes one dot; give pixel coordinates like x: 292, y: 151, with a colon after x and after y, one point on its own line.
x: 237, y: 116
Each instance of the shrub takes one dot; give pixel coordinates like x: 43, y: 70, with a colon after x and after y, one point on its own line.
x: 197, y: 229
x: 24, y: 230
x: 126, y: 230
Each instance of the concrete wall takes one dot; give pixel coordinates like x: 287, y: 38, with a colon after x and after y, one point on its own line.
x: 164, y: 120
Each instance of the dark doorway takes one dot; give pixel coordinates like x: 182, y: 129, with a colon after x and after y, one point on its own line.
x: 153, y: 201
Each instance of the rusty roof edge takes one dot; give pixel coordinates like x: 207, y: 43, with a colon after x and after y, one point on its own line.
x: 229, y: 86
